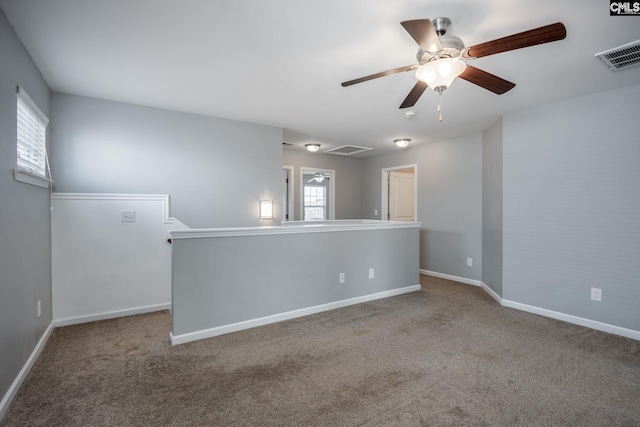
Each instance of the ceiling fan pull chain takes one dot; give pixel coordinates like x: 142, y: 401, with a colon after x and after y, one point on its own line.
x: 439, y: 108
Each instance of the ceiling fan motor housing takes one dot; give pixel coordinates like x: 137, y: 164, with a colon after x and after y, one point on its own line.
x: 441, y: 25
x: 452, y: 48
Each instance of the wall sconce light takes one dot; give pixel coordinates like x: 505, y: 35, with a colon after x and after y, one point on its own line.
x: 266, y: 209
x: 312, y: 147
x: 402, y: 142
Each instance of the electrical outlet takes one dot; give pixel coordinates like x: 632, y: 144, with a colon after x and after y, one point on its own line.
x: 128, y: 216
x: 341, y: 278
x: 39, y: 308
x: 469, y: 262
x: 371, y: 273
x: 596, y: 294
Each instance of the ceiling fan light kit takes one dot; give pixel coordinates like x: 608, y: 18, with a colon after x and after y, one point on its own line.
x: 441, y: 57
x: 439, y: 74
x: 312, y: 147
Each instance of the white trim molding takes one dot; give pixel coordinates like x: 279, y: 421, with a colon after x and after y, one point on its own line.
x: 15, y: 386
x: 450, y: 277
x: 332, y: 189
x: 491, y: 293
x: 164, y: 198
x: 111, y: 315
x: 234, y: 327
x: 31, y: 178
x: 292, y: 227
x: 588, y: 323
x: 384, y: 210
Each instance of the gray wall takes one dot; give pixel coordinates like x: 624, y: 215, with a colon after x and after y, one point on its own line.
x: 449, y: 201
x: 348, y: 180
x: 492, y: 207
x: 25, y: 226
x: 571, y: 206
x: 216, y: 171
x: 212, y: 287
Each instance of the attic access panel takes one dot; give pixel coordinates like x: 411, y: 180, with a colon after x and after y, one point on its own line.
x: 348, y: 150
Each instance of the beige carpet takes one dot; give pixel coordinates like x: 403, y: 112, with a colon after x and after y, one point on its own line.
x: 446, y: 355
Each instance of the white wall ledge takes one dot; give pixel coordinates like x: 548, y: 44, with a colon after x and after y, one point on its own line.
x: 293, y: 227
x: 28, y: 177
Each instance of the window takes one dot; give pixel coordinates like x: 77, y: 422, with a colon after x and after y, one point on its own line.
x: 31, y: 142
x: 315, y: 203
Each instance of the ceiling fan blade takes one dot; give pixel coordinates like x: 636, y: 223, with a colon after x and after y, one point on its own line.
x: 414, y: 95
x: 486, y: 80
x: 424, y: 33
x: 378, y: 75
x: 546, y: 34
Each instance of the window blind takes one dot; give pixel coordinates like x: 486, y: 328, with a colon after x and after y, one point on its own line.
x: 31, y: 135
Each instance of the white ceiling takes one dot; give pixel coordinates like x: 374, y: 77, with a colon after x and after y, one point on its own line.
x: 281, y: 62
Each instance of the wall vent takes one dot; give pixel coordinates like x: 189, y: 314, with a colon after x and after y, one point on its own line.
x: 621, y: 57
x: 348, y: 150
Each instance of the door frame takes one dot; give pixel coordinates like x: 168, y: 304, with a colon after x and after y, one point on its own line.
x: 384, y: 211
x: 291, y: 188
x: 332, y: 190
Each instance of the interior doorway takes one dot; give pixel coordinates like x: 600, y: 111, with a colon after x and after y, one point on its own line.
x: 287, y: 193
x: 400, y: 193
x: 317, y: 194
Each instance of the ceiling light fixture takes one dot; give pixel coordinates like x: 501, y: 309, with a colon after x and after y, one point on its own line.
x: 402, y: 142
x: 439, y: 74
x: 312, y: 147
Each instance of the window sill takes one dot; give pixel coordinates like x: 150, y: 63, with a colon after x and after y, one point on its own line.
x: 31, y: 178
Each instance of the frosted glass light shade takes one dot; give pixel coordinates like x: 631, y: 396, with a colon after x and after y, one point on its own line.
x: 312, y: 147
x: 402, y: 142
x: 266, y: 209
x: 439, y: 74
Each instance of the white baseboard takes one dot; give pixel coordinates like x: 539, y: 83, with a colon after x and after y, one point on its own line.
x: 491, y: 292
x: 111, y: 315
x: 15, y: 386
x: 593, y: 324
x: 450, y: 277
x: 234, y: 327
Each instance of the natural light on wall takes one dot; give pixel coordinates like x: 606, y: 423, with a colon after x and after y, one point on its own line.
x: 31, y: 159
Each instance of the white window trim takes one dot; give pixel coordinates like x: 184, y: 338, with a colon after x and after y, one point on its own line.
x: 332, y: 190
x: 323, y: 206
x: 24, y: 175
x: 31, y: 178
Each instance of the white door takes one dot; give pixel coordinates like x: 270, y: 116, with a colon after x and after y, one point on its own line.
x: 401, y: 203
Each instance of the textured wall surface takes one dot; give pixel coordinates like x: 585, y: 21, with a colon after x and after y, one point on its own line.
x: 216, y: 171
x: 449, y: 175
x: 571, y: 203
x: 25, y: 226
x: 492, y: 207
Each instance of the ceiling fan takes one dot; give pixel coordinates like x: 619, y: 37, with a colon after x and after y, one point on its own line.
x: 441, y: 57
x: 318, y: 177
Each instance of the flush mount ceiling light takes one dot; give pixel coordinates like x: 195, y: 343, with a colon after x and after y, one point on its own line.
x: 402, y: 142
x: 312, y: 147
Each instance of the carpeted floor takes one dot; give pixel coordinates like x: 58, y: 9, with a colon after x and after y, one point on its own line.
x: 446, y: 355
